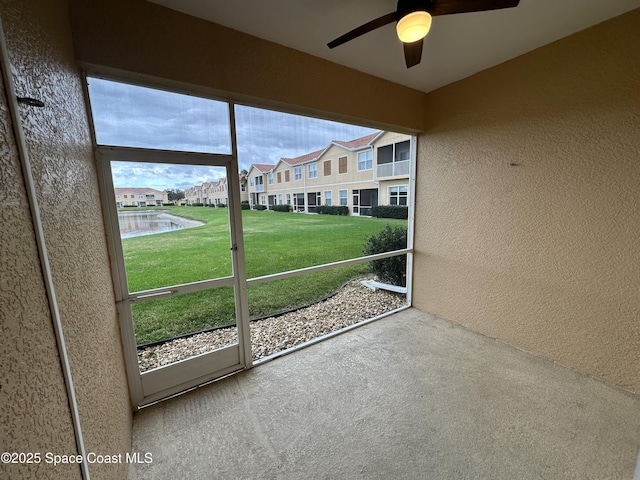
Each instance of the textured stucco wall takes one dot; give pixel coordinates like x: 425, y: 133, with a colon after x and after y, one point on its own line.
x: 41, y: 50
x: 34, y: 411
x: 147, y: 39
x: 545, y: 254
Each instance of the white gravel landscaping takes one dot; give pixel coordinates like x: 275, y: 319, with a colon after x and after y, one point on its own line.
x: 352, y: 304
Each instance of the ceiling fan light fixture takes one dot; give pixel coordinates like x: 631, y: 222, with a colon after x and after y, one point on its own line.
x: 413, y: 26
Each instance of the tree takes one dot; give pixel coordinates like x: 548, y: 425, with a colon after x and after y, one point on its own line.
x: 175, y: 195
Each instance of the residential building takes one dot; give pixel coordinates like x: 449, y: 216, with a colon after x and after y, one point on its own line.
x: 526, y: 231
x: 194, y: 195
x: 140, y: 197
x: 258, y: 179
x: 214, y: 193
x: 359, y: 174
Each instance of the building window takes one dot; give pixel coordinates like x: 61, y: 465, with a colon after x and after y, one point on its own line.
x: 327, y: 168
x: 140, y: 196
x: 117, y: 195
x: 365, y: 160
x: 286, y: 176
x: 342, y: 165
x: 398, y: 195
x: 279, y: 177
x: 279, y: 199
x: 327, y: 197
x: 251, y: 182
x: 271, y: 179
x: 398, y: 152
x: 313, y: 170
x: 403, y: 151
x: 343, y: 197
x: 263, y: 199
x: 288, y: 199
x: 298, y: 173
x: 385, y: 154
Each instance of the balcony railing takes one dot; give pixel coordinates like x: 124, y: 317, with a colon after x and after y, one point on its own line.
x: 393, y: 169
x: 260, y: 188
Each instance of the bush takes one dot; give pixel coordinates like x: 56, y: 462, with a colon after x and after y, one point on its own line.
x: 282, y: 208
x: 260, y: 207
x: 221, y: 205
x: 391, y: 270
x: 244, y: 205
x: 390, y: 211
x: 332, y: 210
x: 195, y: 204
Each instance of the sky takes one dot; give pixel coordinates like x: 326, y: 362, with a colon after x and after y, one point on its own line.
x: 132, y: 116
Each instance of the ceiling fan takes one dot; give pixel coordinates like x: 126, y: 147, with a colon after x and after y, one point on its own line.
x: 413, y: 19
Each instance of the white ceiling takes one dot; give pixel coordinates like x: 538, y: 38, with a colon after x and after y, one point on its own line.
x: 456, y: 47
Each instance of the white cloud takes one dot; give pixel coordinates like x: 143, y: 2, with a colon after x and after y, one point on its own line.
x: 132, y: 116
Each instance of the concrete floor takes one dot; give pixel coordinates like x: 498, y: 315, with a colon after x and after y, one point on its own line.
x: 410, y: 396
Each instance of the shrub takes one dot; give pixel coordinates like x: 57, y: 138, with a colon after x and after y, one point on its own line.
x: 282, y: 208
x: 195, y: 204
x: 244, y: 205
x: 332, y: 210
x: 390, y: 211
x: 391, y: 270
x: 260, y: 207
x: 221, y: 205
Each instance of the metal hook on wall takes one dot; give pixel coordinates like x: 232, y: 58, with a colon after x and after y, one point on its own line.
x: 31, y: 102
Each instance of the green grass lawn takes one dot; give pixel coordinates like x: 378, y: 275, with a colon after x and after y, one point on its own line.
x: 274, y: 242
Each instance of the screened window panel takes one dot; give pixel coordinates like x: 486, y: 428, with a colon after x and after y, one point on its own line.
x: 385, y: 154
x: 403, y: 151
x: 132, y: 116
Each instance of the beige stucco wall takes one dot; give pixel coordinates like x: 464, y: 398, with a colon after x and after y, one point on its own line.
x: 353, y: 175
x: 35, y: 411
x: 384, y: 186
x: 147, y: 39
x: 543, y: 254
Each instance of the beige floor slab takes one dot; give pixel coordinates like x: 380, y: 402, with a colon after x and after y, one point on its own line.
x: 409, y: 396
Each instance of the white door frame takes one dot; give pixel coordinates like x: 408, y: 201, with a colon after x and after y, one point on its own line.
x: 170, y: 379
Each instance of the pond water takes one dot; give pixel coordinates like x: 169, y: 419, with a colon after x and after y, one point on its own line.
x: 135, y: 224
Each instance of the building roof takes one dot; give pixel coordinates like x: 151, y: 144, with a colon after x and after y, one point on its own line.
x: 263, y: 167
x: 303, y: 158
x: 358, y: 142
x: 135, y: 190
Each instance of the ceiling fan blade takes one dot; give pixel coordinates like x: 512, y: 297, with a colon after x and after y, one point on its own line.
x: 362, y: 29
x: 448, y: 7
x: 413, y: 52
